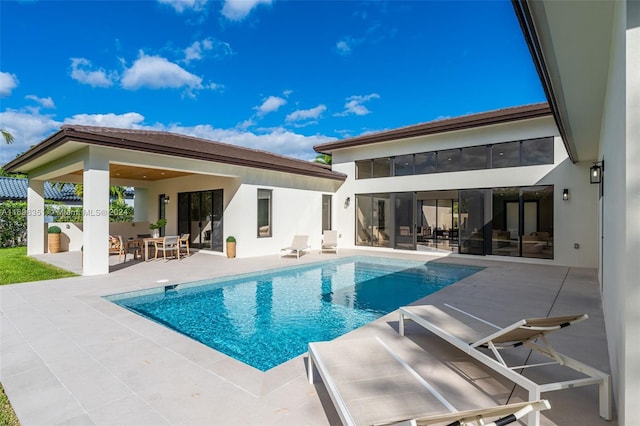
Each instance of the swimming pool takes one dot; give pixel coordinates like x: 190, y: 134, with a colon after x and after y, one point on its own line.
x: 268, y: 318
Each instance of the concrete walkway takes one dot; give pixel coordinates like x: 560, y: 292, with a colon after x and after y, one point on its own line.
x: 68, y: 356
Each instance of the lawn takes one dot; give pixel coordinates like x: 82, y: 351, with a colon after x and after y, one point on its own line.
x: 16, y: 267
x: 7, y: 416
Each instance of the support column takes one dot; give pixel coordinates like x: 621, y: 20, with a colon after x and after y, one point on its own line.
x: 96, y: 216
x: 35, y: 217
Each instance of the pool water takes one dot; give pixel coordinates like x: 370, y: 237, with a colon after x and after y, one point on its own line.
x: 269, y: 318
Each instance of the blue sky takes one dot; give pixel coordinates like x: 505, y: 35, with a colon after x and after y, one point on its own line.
x: 274, y: 75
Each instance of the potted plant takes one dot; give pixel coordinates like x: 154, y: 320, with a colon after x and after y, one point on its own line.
x: 155, y: 227
x: 231, y: 247
x: 54, y: 238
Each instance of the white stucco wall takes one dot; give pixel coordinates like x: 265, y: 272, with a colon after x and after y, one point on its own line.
x: 574, y: 220
x: 621, y: 203
x: 296, y: 208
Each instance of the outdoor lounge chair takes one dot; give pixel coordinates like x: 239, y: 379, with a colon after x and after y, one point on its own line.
x: 329, y: 241
x: 370, y: 384
x: 168, y: 244
x: 299, y: 244
x: 470, y: 333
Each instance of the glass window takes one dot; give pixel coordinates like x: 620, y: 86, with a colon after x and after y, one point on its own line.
x: 474, y: 158
x: 381, y: 167
x: 264, y: 213
x: 326, y: 212
x: 363, y: 169
x: 425, y: 162
x: 448, y: 160
x: 505, y: 155
x: 403, y: 165
x: 363, y: 220
x: 537, y: 151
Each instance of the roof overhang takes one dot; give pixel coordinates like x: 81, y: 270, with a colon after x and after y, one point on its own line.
x: 488, y: 118
x: 71, y: 139
x: 570, y: 43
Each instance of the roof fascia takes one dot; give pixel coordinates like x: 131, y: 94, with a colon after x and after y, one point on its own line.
x: 70, y: 134
x: 443, y: 126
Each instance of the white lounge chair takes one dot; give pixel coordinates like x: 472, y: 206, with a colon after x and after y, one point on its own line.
x: 370, y: 384
x: 470, y: 333
x: 329, y: 242
x: 299, y: 244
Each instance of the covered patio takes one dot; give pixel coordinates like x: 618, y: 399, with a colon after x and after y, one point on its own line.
x: 71, y: 357
x: 160, y: 166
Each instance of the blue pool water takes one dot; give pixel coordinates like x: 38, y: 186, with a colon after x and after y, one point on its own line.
x: 266, y: 319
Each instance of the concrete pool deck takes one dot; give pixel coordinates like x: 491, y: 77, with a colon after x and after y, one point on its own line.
x: 68, y: 356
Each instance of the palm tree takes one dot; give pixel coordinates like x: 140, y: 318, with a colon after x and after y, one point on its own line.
x: 323, y: 159
x: 8, y: 137
x: 115, y: 191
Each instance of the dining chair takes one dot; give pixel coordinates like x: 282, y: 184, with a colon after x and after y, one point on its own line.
x: 168, y: 244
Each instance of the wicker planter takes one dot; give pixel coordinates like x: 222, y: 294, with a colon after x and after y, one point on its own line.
x: 54, y: 243
x: 231, y: 249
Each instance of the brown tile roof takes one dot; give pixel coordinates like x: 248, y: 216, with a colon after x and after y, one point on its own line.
x: 441, y: 126
x: 176, y: 145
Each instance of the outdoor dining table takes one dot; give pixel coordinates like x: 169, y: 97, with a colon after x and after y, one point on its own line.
x: 146, y: 242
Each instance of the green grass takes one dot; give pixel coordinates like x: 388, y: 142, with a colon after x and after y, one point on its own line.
x: 17, y: 267
x: 7, y: 415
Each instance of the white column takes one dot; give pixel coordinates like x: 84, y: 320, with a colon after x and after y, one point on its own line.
x: 35, y: 217
x: 96, y: 216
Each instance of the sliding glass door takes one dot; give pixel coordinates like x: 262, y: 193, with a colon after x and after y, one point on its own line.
x: 200, y: 216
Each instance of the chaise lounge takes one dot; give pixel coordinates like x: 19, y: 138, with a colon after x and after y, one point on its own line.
x: 299, y: 244
x: 470, y: 333
x: 370, y: 384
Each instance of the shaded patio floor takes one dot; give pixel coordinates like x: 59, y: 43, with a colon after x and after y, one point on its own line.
x: 68, y: 356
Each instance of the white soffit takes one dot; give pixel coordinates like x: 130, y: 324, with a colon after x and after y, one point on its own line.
x: 575, y: 39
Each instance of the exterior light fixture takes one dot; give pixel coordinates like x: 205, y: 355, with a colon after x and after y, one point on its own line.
x: 347, y: 201
x: 565, y: 194
x: 595, y: 172
x: 166, y: 200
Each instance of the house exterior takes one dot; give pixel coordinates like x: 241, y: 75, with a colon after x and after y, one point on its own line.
x: 208, y: 189
x: 386, y: 191
x: 497, y: 183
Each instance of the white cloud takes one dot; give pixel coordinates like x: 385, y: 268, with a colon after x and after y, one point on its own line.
x: 271, y: 104
x: 343, y: 47
x: 96, y: 78
x: 8, y: 82
x: 279, y: 140
x: 129, y: 120
x: 237, y: 10
x: 155, y: 72
x: 306, y: 114
x: 27, y: 127
x: 182, y: 5
x: 44, y: 102
x: 355, y: 105
x: 198, y: 49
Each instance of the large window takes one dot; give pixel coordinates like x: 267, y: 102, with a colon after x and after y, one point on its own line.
x: 264, y: 213
x: 373, y: 220
x: 326, y: 212
x: 528, y: 152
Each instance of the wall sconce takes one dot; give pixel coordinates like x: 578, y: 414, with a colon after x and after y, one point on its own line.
x: 166, y: 199
x: 565, y: 194
x: 347, y: 201
x: 595, y: 172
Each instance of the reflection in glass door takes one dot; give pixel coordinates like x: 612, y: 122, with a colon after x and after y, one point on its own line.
x: 472, y: 226
x: 200, y: 216
x: 404, y: 221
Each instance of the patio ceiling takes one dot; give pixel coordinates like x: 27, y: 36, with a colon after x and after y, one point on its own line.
x: 122, y: 171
